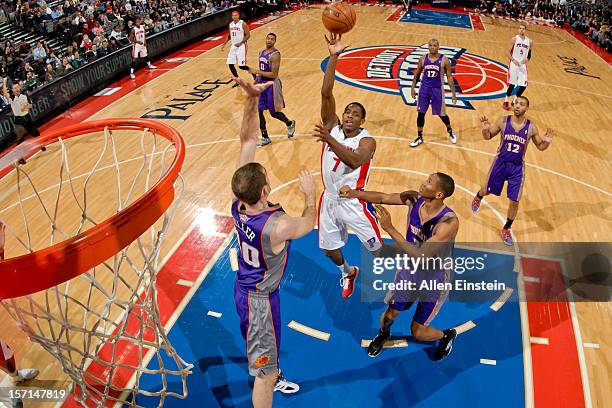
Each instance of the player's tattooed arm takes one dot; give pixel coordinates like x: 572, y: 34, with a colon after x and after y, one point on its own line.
x: 489, y: 130
x: 249, y: 130
x: 328, y: 103
x: 376, y: 197
x: 541, y: 142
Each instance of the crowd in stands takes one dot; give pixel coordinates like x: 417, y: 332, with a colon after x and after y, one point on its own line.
x: 88, y: 30
x: 591, y: 17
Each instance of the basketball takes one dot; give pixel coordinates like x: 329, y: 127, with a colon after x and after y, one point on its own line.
x: 339, y: 18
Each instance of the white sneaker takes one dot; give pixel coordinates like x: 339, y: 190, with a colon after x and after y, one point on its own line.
x: 132, y: 75
x: 150, y: 66
x: 291, y: 129
x: 284, y: 386
x: 25, y: 374
x: 416, y: 142
x: 453, y: 137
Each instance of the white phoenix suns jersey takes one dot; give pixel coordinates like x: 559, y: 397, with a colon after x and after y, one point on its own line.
x: 236, y: 32
x: 520, y: 50
x: 139, y: 33
x: 337, y: 174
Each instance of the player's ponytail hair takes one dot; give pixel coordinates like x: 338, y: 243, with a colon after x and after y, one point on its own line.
x: 248, y: 182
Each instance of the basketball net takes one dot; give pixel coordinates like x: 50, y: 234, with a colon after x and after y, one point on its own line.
x: 103, y: 326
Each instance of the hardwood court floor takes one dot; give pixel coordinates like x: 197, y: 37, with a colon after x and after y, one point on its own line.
x: 566, y: 196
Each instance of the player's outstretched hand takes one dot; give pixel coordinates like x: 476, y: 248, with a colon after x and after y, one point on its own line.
x: 548, y: 136
x: 484, y: 121
x: 334, y: 45
x: 307, y: 185
x: 384, y: 218
x: 321, y: 133
x: 346, y: 192
x: 252, y: 90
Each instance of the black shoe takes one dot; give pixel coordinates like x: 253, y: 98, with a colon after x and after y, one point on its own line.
x: 291, y: 129
x: 377, y: 344
x: 446, y: 344
x: 22, y: 161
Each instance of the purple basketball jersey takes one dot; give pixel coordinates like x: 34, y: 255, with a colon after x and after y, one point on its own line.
x: 431, y: 72
x: 416, y: 232
x: 259, y: 268
x: 513, y: 144
x: 264, y: 64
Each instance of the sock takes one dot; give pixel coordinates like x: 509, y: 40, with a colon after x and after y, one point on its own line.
x: 420, y: 133
x: 508, y: 223
x: 345, y: 269
x: 131, y: 70
x: 479, y: 196
x: 264, y: 134
x: 506, y: 98
x: 449, y: 130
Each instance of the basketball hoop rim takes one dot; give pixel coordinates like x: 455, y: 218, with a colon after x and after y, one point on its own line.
x: 51, y: 266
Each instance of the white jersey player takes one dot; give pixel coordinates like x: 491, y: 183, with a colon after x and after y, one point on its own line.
x: 346, y: 159
x: 238, y: 34
x: 519, y: 54
x: 139, y: 46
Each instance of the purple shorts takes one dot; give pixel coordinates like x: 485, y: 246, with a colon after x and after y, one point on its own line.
x: 513, y: 173
x: 260, y: 326
x: 431, y: 96
x: 272, y: 98
x: 429, y: 301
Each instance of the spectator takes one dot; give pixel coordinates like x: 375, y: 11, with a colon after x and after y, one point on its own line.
x: 104, y: 50
x: 39, y: 51
x: 20, y: 107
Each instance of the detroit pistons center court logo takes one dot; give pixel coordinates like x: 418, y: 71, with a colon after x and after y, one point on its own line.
x: 390, y: 69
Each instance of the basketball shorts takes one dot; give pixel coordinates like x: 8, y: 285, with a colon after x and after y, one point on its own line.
x: 139, y: 51
x: 500, y: 172
x: 517, y: 74
x: 272, y: 98
x: 434, y: 96
x: 429, y: 301
x: 237, y: 55
x: 338, y: 215
x: 260, y: 326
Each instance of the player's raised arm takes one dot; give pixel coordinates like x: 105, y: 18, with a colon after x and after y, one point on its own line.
x: 489, y: 130
x: 328, y: 103
x: 287, y: 228
x: 249, y: 131
x: 449, y: 77
x: 541, y: 142
x: 375, y: 197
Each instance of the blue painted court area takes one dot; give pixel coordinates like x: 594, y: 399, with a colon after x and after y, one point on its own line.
x: 441, y: 18
x: 338, y: 372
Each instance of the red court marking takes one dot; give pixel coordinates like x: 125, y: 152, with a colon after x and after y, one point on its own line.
x: 187, y: 262
x: 603, y: 54
x: 396, y: 15
x: 557, y: 381
x: 477, y: 22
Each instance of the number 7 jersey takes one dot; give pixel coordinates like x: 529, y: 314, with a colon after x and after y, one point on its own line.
x: 337, y: 174
x: 259, y: 269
